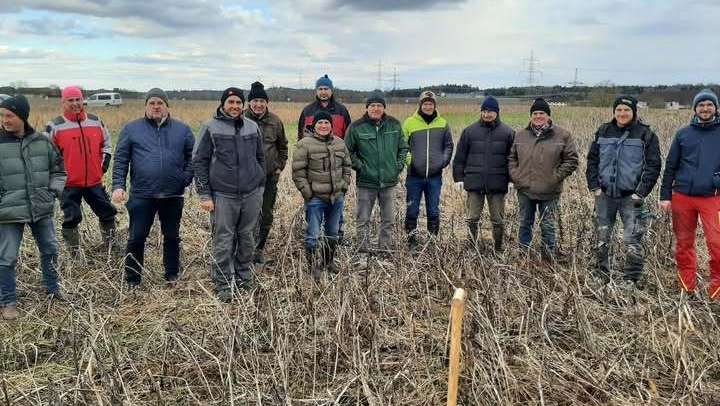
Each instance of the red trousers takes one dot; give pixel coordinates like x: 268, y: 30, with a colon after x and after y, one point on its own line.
x: 685, y: 212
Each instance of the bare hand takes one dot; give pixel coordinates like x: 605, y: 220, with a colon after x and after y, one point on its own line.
x: 278, y: 171
x: 598, y: 192
x: 207, y: 205
x: 119, y: 196
x: 665, y: 205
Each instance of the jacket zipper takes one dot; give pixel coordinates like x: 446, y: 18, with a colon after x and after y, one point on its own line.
x: 28, y: 178
x: 377, y: 144
x: 427, y: 153
x: 84, y: 152
x: 330, y: 167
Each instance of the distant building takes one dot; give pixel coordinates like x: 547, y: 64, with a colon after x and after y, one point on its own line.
x: 557, y: 104
x: 642, y: 104
x: 672, y: 105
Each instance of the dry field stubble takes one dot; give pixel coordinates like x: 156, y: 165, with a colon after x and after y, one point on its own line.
x: 377, y: 336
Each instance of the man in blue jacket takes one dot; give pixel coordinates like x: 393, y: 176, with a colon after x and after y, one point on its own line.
x: 157, y: 151
x: 691, y: 189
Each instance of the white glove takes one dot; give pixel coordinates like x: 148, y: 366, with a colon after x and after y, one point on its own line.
x: 511, y: 186
x: 460, y: 186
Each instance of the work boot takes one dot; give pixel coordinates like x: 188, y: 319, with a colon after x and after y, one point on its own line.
x: 259, y: 259
x: 433, y: 226
x: 9, y: 312
x: 108, y: 232
x: 329, y: 256
x: 72, y: 240
x: 473, y: 233
x: 314, y: 263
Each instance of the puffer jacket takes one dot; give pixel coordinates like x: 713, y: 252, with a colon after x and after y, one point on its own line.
x: 481, y: 160
x: 275, y: 142
x: 431, y: 145
x: 692, y: 166
x: 540, y: 164
x: 377, y: 150
x: 321, y: 167
x: 229, y: 158
x: 32, y: 176
x: 624, y: 161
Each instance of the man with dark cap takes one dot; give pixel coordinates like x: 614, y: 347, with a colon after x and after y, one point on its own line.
x: 157, y: 151
x: 623, y: 165
x: 430, y: 141
x: 378, y: 150
x: 542, y: 156
x: 481, y: 168
x: 229, y: 176
x: 31, y: 178
x: 85, y: 144
x: 325, y: 100
x: 275, y: 148
x: 691, y: 189
x: 321, y: 170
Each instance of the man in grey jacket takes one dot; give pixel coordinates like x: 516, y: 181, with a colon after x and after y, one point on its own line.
x: 230, y: 173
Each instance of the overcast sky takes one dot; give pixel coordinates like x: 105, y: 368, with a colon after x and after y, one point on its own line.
x: 196, y: 44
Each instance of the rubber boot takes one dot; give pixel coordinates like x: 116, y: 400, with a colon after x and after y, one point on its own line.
x: 329, y: 256
x: 72, y: 240
x: 498, y: 237
x: 473, y: 231
x: 108, y: 232
x: 314, y: 263
x: 410, y: 229
x: 433, y: 226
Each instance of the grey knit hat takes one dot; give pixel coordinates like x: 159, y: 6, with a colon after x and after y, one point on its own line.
x: 157, y: 92
x: 704, y: 95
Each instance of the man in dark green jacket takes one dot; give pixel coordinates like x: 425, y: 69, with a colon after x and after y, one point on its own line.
x: 275, y: 148
x: 378, y: 150
x: 32, y: 176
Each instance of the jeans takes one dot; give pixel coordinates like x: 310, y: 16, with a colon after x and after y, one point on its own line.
x: 365, y: 204
x: 318, y: 211
x: 634, y: 225
x: 233, y: 244
x: 10, y: 239
x: 142, y: 216
x: 268, y: 204
x: 547, y: 211
x: 96, y: 197
x: 417, y: 186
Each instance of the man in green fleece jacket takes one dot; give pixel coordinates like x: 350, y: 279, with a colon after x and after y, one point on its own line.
x: 378, y: 150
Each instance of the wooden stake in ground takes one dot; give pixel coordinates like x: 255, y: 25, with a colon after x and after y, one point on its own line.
x: 457, y: 310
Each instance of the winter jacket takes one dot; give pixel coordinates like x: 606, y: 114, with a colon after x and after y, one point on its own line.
x: 540, y: 164
x: 693, y: 163
x: 431, y: 145
x: 275, y: 143
x: 481, y: 160
x: 624, y: 161
x: 377, y: 150
x: 83, y: 140
x: 158, y: 158
x: 229, y: 159
x: 340, y: 117
x: 321, y: 167
x: 31, y: 177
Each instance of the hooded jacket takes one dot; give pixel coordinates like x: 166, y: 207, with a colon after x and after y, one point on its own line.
x: 482, y: 157
x: 229, y: 159
x: 340, y: 117
x: 430, y: 144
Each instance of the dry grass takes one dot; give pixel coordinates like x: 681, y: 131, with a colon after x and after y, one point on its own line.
x: 378, y: 336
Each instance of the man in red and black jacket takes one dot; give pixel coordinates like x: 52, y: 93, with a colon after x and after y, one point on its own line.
x: 324, y: 100
x: 84, y: 143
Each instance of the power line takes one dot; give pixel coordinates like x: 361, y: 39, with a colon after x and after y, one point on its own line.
x: 532, y: 69
x: 379, y: 75
x: 576, y: 81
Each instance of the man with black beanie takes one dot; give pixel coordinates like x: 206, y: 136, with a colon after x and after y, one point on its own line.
x: 275, y: 148
x: 623, y: 165
x: 542, y: 156
x: 229, y: 168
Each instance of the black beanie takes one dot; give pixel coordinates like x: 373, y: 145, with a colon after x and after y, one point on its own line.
x: 540, y: 105
x: 257, y: 91
x: 321, y: 115
x: 627, y: 101
x: 19, y: 105
x: 376, y: 96
x: 232, y: 91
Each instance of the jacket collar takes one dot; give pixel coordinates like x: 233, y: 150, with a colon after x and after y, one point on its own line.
x: 75, y: 117
x: 710, y: 125
x: 165, y: 122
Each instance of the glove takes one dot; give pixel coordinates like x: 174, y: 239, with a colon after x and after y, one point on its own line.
x: 460, y: 185
x: 106, y: 162
x: 637, y: 200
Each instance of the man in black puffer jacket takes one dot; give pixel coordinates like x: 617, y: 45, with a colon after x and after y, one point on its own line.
x: 622, y: 169
x: 481, y: 167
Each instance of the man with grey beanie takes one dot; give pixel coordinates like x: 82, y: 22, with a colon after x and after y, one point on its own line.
x: 157, y: 151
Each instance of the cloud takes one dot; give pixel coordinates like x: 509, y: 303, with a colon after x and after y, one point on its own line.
x: 394, y: 5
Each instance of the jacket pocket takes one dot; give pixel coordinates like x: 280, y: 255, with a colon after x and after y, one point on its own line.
x: 225, y: 150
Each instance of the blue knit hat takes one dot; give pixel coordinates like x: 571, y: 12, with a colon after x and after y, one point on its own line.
x: 324, y: 81
x: 705, y: 94
x: 490, y: 104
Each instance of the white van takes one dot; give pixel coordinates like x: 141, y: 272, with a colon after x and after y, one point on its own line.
x: 104, y: 99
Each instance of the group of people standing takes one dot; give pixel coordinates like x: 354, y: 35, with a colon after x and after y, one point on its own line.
x: 241, y: 152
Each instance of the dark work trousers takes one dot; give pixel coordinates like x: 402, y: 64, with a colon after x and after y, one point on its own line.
x: 268, y: 204
x: 96, y: 197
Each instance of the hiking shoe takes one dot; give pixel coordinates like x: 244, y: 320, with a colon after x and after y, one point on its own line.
x: 259, y: 259
x: 225, y: 295
x: 9, y: 312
